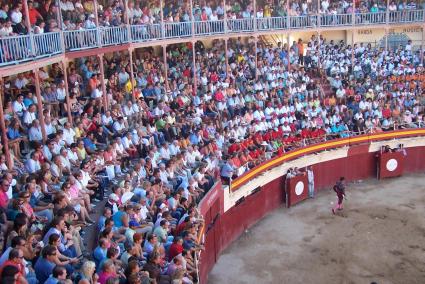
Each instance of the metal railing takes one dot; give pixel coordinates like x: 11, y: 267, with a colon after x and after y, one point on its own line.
x: 81, y: 39
x: 371, y: 18
x: 16, y: 49
x: 336, y: 20
x: 209, y: 27
x: 406, y: 16
x: 273, y: 23
x: 142, y: 33
x: 47, y: 44
x: 114, y: 35
x: 177, y: 30
x: 300, y: 22
x: 240, y: 25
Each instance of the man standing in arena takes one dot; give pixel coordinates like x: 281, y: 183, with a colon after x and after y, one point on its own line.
x: 339, y: 188
x: 310, y: 176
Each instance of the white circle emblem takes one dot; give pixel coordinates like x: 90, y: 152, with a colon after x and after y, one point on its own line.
x: 299, y: 188
x: 392, y: 165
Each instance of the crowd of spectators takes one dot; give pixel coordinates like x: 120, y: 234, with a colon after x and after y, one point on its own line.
x: 161, y: 145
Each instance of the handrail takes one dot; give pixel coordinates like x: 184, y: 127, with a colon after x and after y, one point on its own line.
x: 328, y: 145
x: 81, y: 39
x: 16, y: 49
x: 47, y: 44
x: 113, y: 35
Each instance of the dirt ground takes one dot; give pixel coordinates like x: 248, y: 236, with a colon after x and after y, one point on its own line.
x: 380, y: 236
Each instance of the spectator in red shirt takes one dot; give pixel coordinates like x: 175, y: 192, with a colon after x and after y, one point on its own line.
x: 236, y: 161
x: 219, y: 96
x: 33, y: 14
x: 15, y: 259
x: 386, y: 112
x: 305, y: 133
x: 176, y: 248
x: 234, y: 147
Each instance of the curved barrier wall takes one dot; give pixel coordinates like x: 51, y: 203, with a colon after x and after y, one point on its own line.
x: 228, y: 213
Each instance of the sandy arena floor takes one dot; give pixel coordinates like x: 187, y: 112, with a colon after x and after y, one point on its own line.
x: 380, y: 236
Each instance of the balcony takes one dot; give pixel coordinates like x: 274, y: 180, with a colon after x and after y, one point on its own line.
x: 18, y: 49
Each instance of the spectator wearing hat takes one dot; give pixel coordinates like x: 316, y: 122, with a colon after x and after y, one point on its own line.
x: 90, y: 22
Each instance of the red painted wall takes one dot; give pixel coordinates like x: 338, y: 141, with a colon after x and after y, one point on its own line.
x: 229, y: 226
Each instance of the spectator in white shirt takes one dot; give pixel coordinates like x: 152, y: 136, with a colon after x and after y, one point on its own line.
x: 119, y: 125
x: 29, y: 115
x: 34, y: 133
x: 68, y: 134
x: 214, y: 16
x: 21, y: 82
x: 6, y: 29
x: 32, y: 165
x: 165, y: 151
x: 19, y: 106
x: 16, y: 14
x: 90, y: 22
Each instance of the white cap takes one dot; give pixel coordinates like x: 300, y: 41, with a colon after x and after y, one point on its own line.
x: 114, y: 197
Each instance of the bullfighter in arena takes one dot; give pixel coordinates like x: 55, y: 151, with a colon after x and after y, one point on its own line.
x: 339, y: 188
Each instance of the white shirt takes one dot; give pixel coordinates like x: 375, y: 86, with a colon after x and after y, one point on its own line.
x: 21, y: 83
x: 190, y: 158
x: 72, y: 156
x: 126, y: 143
x: 174, y: 149
x: 16, y: 17
x: 68, y: 136
x: 29, y: 117
x: 310, y: 176
x: 32, y: 166
x: 107, y: 120
x: 128, y: 111
x: 86, y: 177
x: 34, y: 134
x: 165, y: 153
x: 49, y: 129
x: 47, y: 153
x: 158, y: 111
x: 65, y: 162
x: 18, y: 107
x: 118, y: 126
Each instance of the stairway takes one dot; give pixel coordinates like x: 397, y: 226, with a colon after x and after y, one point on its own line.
x: 272, y: 40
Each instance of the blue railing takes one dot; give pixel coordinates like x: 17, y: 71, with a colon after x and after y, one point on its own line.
x: 114, y: 35
x: 143, y: 33
x: 81, y: 39
x: 17, y: 49
x: 47, y: 44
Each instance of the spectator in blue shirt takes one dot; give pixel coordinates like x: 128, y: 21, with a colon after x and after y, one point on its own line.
x: 89, y: 143
x: 13, y: 131
x: 58, y: 275
x: 28, y: 100
x: 99, y: 253
x: 45, y: 263
x: 193, y: 138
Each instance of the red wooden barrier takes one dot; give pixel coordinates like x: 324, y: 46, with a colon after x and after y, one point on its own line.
x: 391, y: 164
x: 297, y: 189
